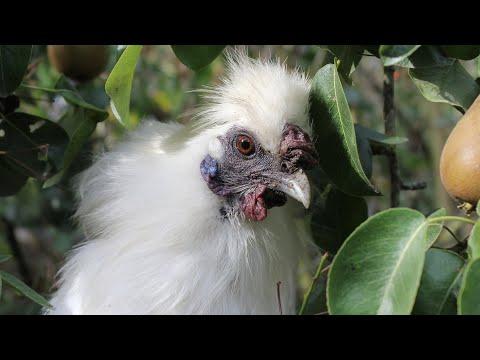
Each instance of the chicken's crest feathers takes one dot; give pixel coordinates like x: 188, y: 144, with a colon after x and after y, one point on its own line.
x: 259, y: 94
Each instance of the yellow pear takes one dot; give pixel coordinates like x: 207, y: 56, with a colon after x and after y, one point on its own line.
x: 460, y: 159
x: 79, y: 62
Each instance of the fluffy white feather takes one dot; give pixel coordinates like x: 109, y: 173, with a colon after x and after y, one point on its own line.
x: 155, y: 241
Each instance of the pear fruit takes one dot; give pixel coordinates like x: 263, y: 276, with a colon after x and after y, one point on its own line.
x: 460, y: 159
x: 81, y: 63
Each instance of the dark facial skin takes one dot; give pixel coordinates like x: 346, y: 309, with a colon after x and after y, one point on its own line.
x: 248, y: 174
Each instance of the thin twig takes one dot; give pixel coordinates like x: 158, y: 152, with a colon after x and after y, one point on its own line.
x: 390, y: 130
x: 279, y: 298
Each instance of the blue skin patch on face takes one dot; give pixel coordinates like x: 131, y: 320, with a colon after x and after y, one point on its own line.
x: 209, y: 168
x: 210, y: 173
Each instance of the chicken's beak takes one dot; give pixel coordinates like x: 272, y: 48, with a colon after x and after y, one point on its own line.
x: 297, y: 186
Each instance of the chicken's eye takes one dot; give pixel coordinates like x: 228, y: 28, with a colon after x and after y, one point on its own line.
x: 245, y: 145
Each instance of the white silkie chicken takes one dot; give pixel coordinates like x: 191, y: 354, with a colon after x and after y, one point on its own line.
x: 176, y: 216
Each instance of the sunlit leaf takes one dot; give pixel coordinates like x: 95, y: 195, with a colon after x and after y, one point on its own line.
x: 397, y: 54
x: 469, y: 295
x: 335, y: 134
x: 119, y: 83
x: 474, y: 242
x: 378, y: 268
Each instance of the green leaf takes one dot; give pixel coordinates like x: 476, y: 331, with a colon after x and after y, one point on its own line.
x: 372, y: 49
x: 335, y: 134
x: 462, y: 52
x: 72, y: 98
x: 441, y: 274
x: 473, y: 248
x: 478, y: 208
x: 79, y: 124
x: 314, y: 301
x: 434, y: 229
x: 397, y: 54
x: 14, y: 61
x: 441, y: 79
x: 365, y: 152
x: 378, y: 268
x: 469, y: 295
x: 377, y: 138
x: 24, y: 289
x: 4, y: 258
x: 119, y: 83
x: 348, y: 56
x: 31, y: 146
x: 342, y: 214
x: 196, y: 57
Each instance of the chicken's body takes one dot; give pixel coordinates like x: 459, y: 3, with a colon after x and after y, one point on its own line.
x: 161, y: 242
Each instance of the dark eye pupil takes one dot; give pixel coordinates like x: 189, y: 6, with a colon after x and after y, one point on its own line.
x: 245, y: 145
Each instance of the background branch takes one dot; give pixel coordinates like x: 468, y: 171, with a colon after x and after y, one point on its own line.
x: 17, y: 252
x: 390, y: 130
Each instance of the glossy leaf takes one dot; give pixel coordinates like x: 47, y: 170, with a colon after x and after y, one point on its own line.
x: 348, y: 57
x: 397, y: 54
x: 378, y: 138
x: 4, y: 258
x: 434, y: 229
x: 314, y: 301
x: 24, y: 289
x: 335, y: 134
x: 441, y: 79
x: 196, y: 57
x: 462, y: 52
x: 119, y: 83
x: 469, y: 295
x: 441, y: 273
x: 474, y: 242
x: 378, y: 268
x: 30, y: 147
x: 14, y: 61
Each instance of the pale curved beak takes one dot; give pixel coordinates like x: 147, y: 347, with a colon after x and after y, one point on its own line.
x: 297, y: 186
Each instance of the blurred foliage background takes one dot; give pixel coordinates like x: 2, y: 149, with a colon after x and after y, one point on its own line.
x: 40, y: 219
